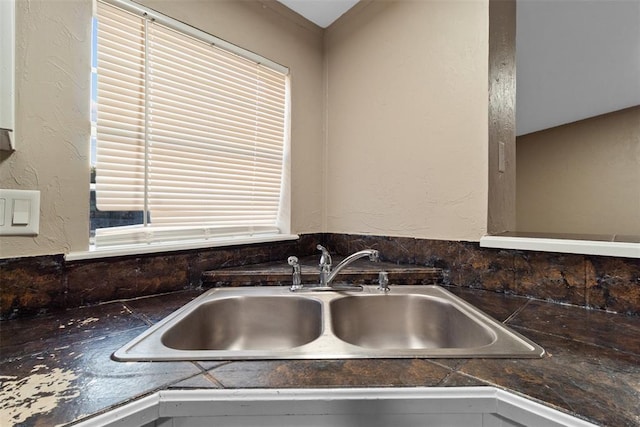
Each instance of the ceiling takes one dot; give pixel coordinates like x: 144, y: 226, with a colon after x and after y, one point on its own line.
x: 321, y: 12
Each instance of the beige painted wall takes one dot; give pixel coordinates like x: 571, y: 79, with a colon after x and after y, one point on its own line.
x: 400, y: 87
x: 407, y: 120
x: 583, y: 177
x: 52, y: 120
x: 53, y: 44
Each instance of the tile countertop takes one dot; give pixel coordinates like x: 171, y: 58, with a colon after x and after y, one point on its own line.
x: 57, y: 369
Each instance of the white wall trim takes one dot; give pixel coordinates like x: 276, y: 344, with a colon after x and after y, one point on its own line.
x: 7, y: 74
x: 585, y: 247
x: 150, y: 248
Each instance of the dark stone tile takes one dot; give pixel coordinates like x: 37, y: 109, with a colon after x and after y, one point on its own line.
x: 155, y: 308
x: 594, y: 293
x: 330, y: 373
x: 497, y: 305
x: 252, y: 254
x: 280, y: 251
x: 613, y: 284
x: 90, y: 282
x: 158, y: 274
x: 611, y: 330
x: 234, y: 256
x: 21, y: 337
x: 307, y: 243
x: 207, y: 259
x: 399, y: 250
x: 551, y: 276
x: 482, y: 268
x: 338, y: 243
x: 440, y: 254
x: 595, y: 382
x: 31, y: 285
x: 62, y: 385
x: 304, y: 246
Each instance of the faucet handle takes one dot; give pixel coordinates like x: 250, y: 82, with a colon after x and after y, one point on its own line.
x: 383, y: 281
x: 297, y: 279
x: 325, y: 258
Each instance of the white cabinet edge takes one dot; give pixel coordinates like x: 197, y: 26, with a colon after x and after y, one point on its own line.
x: 584, y: 247
x: 7, y: 74
x: 285, y: 402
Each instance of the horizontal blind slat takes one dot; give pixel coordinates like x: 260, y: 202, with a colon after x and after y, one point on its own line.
x: 216, y: 129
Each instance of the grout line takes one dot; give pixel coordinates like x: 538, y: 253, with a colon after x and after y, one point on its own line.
x: 213, y: 379
x: 464, y: 374
x: 207, y: 374
x: 140, y: 316
x: 518, y: 311
x: 451, y: 372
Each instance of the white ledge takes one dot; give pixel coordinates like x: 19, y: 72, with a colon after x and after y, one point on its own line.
x: 571, y: 246
x: 150, y: 248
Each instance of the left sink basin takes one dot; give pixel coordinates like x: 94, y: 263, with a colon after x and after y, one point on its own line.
x: 232, y: 323
x: 247, y: 323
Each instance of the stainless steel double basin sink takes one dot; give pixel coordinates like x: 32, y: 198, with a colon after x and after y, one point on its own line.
x: 275, y: 323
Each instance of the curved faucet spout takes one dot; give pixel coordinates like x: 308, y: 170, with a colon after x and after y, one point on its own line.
x: 373, y: 255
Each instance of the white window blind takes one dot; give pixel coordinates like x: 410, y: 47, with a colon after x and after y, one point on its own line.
x: 191, y: 133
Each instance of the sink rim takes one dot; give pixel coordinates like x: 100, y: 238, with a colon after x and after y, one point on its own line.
x: 148, y: 347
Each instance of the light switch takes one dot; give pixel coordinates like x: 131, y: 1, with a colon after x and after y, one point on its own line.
x: 21, y: 212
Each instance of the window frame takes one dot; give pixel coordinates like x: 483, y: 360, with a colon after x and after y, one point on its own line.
x: 284, y: 223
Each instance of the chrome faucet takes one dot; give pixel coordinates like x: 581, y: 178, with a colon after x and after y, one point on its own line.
x: 327, y: 274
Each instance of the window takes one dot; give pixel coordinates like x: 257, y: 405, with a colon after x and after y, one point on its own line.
x: 190, y: 130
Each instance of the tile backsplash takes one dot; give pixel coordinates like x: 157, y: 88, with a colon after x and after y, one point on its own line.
x: 34, y: 285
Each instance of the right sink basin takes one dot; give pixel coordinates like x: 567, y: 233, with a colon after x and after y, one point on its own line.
x: 405, y: 322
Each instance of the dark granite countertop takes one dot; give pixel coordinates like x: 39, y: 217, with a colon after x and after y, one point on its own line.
x: 57, y: 369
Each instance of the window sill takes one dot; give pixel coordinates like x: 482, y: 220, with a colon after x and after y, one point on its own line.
x: 142, y: 249
x: 564, y: 244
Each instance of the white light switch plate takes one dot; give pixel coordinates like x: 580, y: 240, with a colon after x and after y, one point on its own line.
x: 20, y: 210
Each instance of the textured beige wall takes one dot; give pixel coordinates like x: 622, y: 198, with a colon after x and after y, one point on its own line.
x: 52, y: 120
x: 53, y: 43
x: 407, y: 120
x: 583, y: 177
x: 389, y: 132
